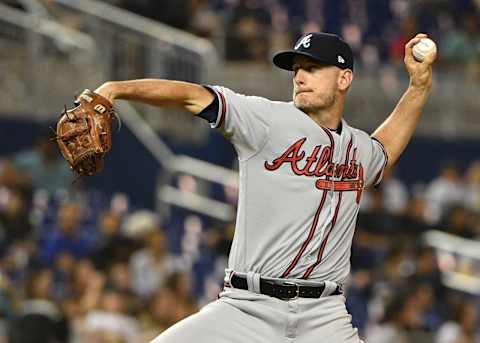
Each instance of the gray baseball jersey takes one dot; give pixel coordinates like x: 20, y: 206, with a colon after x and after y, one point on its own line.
x: 299, y: 191
x: 300, y: 188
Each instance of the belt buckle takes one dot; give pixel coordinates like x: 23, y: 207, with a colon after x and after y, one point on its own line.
x: 297, y: 289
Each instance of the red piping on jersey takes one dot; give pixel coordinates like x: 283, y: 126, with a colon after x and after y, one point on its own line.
x: 377, y: 177
x: 309, y: 238
x: 315, y: 218
x: 224, y: 109
x: 332, y: 142
x: 348, y: 149
x: 337, y: 208
x: 324, y: 243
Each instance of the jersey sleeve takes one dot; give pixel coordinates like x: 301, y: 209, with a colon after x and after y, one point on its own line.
x: 244, y: 120
x: 377, y: 164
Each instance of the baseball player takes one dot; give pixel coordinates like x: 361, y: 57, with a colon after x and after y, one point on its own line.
x: 303, y: 170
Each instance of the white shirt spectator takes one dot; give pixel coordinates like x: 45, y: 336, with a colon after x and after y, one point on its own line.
x: 385, y: 333
x: 108, y: 323
x: 448, y: 333
x: 444, y: 191
x: 149, y: 273
x: 395, y: 195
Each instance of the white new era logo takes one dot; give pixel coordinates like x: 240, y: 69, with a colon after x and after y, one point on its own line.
x: 305, y: 42
x: 340, y: 59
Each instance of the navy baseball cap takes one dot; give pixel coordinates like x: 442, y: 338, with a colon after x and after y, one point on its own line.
x: 322, y: 47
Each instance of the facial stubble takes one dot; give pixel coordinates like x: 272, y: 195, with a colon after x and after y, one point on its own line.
x: 317, y: 104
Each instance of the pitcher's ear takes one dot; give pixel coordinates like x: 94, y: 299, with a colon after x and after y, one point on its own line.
x: 345, y: 79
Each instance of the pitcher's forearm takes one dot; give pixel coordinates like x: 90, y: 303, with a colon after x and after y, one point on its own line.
x: 158, y: 92
x: 398, y: 128
x: 396, y: 131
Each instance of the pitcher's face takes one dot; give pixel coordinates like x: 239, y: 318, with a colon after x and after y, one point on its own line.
x: 315, y: 85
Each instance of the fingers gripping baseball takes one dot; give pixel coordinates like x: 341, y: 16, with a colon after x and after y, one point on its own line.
x: 420, y: 71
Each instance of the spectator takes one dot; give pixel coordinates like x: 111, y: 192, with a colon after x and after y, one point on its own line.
x: 176, y: 13
x: 247, y: 32
x: 404, y: 315
x: 151, y: 266
x: 11, y: 179
x: 462, y: 327
x: 14, y: 219
x: 66, y: 237
x: 397, y: 266
x: 206, y: 23
x: 407, y: 29
x: 17, y: 259
x: 160, y: 315
x: 119, y: 278
x: 445, y: 190
x: 413, y: 222
x: 219, y: 239
x: 426, y: 269
x: 63, y: 271
x: 39, y: 319
x: 110, y: 322
x: 112, y: 245
x: 472, y: 198
x: 395, y: 194
x: 180, y: 284
x: 374, y: 233
x: 42, y: 167
x: 358, y: 298
x: 87, y: 286
x: 427, y: 273
x: 462, y: 44
x: 459, y: 221
x: 392, y: 326
x: 377, y: 219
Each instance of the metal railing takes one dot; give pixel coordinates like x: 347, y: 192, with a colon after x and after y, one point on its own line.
x: 163, y: 52
x: 181, y: 164
x: 49, y: 60
x: 34, y: 73
x: 164, y: 34
x: 59, y: 59
x: 458, y: 260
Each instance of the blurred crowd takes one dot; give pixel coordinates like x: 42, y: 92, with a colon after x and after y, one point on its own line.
x: 80, y: 266
x: 377, y: 30
x: 398, y: 291
x: 251, y: 30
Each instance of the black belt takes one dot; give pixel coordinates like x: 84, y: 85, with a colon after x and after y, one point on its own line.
x: 287, y: 290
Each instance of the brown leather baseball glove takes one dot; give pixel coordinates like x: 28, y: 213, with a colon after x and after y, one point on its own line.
x: 84, y: 133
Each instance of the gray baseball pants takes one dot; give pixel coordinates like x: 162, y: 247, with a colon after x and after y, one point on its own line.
x: 241, y: 316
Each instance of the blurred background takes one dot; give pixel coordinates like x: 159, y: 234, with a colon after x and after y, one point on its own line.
x: 121, y: 256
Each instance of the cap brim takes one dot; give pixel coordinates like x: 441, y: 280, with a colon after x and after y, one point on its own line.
x: 284, y: 59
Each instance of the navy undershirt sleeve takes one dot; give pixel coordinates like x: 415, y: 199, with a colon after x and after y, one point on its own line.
x: 210, y: 113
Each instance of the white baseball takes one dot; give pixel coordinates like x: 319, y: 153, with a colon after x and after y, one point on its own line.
x: 423, y: 48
